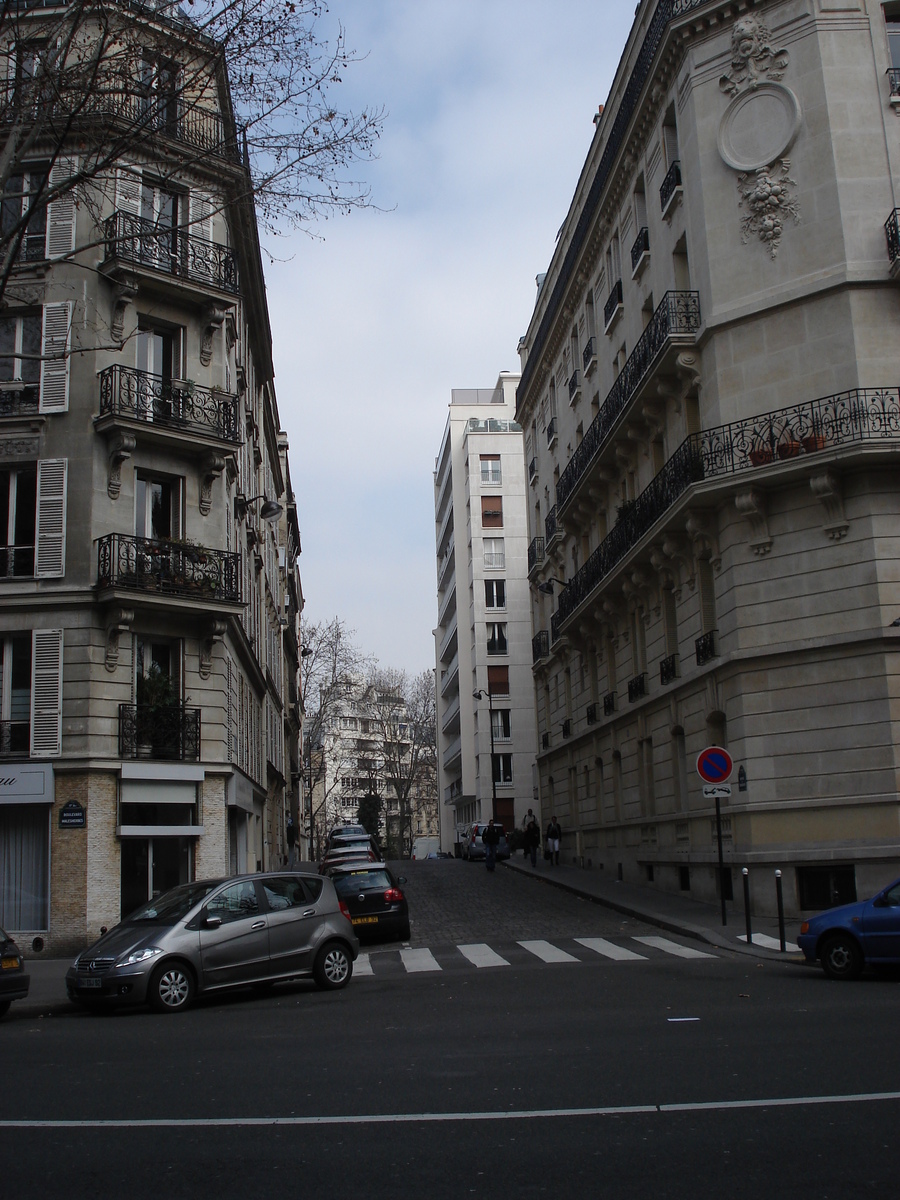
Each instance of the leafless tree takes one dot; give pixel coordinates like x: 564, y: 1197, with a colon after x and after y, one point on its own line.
x: 251, y: 83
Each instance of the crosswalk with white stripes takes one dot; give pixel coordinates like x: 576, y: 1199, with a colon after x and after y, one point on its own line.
x: 420, y: 960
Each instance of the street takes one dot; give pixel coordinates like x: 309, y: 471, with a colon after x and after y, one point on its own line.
x: 585, y: 1075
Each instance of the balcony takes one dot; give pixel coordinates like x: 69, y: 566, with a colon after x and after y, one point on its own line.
x: 535, y: 554
x: 567, y: 728
x: 545, y: 741
x: 591, y: 714
x: 540, y: 646
x: 640, y: 252
x: 574, y: 387
x: 168, y: 732
x: 670, y: 189
x: 551, y: 528
x: 668, y: 669
x: 613, y: 306
x: 163, y: 114
x: 551, y: 432
x: 770, y: 440
x: 19, y: 399
x: 16, y: 562
x: 532, y: 470
x: 893, y: 74
x: 892, y: 233
x: 673, y: 325
x: 609, y: 704
x: 155, y: 404
x: 15, y: 738
x: 169, y: 568
x: 172, y: 257
x: 705, y: 648
x: 589, y: 357
x: 637, y: 688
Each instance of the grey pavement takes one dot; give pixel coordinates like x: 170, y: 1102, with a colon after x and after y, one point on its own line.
x: 508, y: 906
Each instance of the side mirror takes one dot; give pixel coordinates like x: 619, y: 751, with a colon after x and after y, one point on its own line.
x: 401, y: 879
x: 879, y: 902
x: 210, y: 922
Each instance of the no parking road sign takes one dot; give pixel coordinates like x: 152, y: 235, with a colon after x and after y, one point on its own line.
x: 714, y: 765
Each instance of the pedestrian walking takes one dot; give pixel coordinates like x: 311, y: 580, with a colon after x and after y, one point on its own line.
x: 490, y: 837
x: 528, y: 818
x: 532, y: 840
x: 554, y: 834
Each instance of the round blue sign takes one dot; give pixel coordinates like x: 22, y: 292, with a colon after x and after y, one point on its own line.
x: 714, y: 765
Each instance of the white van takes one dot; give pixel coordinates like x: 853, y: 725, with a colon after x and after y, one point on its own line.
x: 423, y: 846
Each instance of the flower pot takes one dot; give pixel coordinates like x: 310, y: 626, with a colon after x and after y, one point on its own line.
x: 815, y: 441
x: 760, y: 457
x: 789, y: 450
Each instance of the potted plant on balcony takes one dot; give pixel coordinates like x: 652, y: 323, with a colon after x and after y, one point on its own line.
x: 789, y: 448
x: 816, y: 439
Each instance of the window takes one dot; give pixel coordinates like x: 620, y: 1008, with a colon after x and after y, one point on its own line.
x: 15, y: 694
x: 498, y: 681
x: 157, y: 508
x: 24, y: 866
x: 500, y: 724
x: 20, y: 361
x: 826, y: 887
x: 235, y: 902
x: 496, y: 638
x: 495, y: 593
x: 20, y: 192
x: 503, y: 769
x: 490, y: 468
x: 492, y: 512
x: 494, y: 554
x: 164, y: 209
x: 18, y: 509
x: 157, y: 89
x: 892, y: 22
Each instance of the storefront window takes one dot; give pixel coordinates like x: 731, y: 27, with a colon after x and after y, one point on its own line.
x: 24, y: 859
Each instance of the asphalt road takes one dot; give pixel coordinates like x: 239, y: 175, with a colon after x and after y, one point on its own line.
x: 658, y: 1075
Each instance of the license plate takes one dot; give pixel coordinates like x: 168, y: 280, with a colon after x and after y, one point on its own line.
x: 10, y: 964
x: 89, y: 983
x: 364, y: 920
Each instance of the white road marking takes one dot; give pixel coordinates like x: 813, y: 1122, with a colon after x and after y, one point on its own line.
x: 547, y: 952
x: 769, y: 943
x: 412, y: 1118
x: 482, y: 955
x: 362, y: 966
x: 661, y: 943
x: 610, y: 949
x: 419, y: 960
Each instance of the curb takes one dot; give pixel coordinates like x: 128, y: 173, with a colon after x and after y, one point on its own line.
x: 699, y: 932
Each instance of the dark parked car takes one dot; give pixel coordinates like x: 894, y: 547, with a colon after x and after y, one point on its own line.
x: 845, y: 939
x: 13, y: 978
x: 344, y: 831
x: 219, y: 933
x: 378, y: 906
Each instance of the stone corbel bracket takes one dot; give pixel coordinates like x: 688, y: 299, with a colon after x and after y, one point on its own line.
x: 215, y: 632
x: 752, y: 507
x: 124, y: 293
x: 211, y: 468
x: 666, y: 572
x: 674, y: 549
x: 826, y: 487
x: 121, y: 447
x: 706, y: 544
x: 120, y: 621
x: 212, y: 319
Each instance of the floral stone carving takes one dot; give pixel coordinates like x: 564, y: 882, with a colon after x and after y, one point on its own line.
x: 769, y: 202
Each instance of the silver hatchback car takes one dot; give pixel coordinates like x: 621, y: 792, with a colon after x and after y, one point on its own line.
x: 219, y: 933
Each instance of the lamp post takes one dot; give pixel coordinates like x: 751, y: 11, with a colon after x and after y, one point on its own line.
x: 479, y: 695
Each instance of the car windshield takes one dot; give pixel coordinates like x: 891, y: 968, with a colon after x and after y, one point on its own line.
x: 171, y: 907
x: 350, y: 882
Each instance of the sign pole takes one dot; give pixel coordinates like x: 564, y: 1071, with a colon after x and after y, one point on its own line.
x: 721, y: 859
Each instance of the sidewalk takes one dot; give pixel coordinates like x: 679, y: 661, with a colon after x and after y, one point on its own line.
x: 669, y: 910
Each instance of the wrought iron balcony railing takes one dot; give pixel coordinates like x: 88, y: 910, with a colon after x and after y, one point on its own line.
x: 640, y: 247
x: 125, y: 392
x: 893, y: 74
x: 589, y: 355
x: 892, y: 233
x: 574, y: 386
x: 16, y: 562
x: 670, y: 185
x: 168, y: 732
x: 637, y: 687
x: 169, y: 568
x: 540, y: 646
x: 567, y: 728
x: 19, y: 399
x: 591, y: 714
x: 613, y: 303
x: 705, y: 647
x: 668, y: 669
x: 609, y: 704
x: 168, y: 114
x: 859, y: 415
x: 551, y: 431
x: 15, y: 738
x: 678, y: 313
x: 550, y: 526
x: 535, y: 552
x: 174, y: 251
x: 532, y: 469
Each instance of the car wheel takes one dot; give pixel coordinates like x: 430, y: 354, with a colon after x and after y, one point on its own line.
x: 4, y: 1007
x: 171, y: 988
x: 841, y: 957
x: 334, y: 966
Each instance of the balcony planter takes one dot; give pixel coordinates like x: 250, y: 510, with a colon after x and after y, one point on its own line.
x: 815, y: 441
x: 788, y: 450
x: 759, y: 458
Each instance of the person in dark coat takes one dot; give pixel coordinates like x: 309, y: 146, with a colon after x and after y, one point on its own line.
x: 532, y: 840
x: 490, y: 837
x: 554, y: 834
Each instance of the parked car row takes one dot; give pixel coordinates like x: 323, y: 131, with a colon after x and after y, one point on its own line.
x: 365, y: 883
x: 472, y: 847
x: 14, y: 979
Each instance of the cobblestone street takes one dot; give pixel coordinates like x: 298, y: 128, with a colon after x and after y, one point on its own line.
x: 454, y: 901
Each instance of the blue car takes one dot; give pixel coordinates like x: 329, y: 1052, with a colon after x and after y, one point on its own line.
x: 845, y: 939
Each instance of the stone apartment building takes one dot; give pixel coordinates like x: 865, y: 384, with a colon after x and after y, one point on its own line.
x: 150, y: 591
x: 710, y: 395
x: 486, y: 743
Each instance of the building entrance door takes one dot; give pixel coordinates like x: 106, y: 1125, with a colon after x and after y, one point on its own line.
x: 151, y: 866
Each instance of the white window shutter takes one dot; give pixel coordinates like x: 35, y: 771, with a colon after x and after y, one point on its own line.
x: 201, y: 215
x: 50, y: 532
x: 61, y: 212
x: 46, y: 692
x: 55, y: 357
x: 128, y: 191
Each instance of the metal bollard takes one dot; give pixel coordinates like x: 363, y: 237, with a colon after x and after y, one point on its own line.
x: 780, y: 898
x: 746, y: 875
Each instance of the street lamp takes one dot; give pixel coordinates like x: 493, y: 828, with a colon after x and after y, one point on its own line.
x: 479, y: 695
x: 270, y: 510
x: 547, y: 587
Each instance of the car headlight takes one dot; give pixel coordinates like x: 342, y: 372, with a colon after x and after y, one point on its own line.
x: 139, y: 956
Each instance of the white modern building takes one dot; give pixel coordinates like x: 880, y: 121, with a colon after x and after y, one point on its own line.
x: 486, y: 744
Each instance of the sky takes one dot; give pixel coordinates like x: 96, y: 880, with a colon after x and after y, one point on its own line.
x: 489, y: 109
